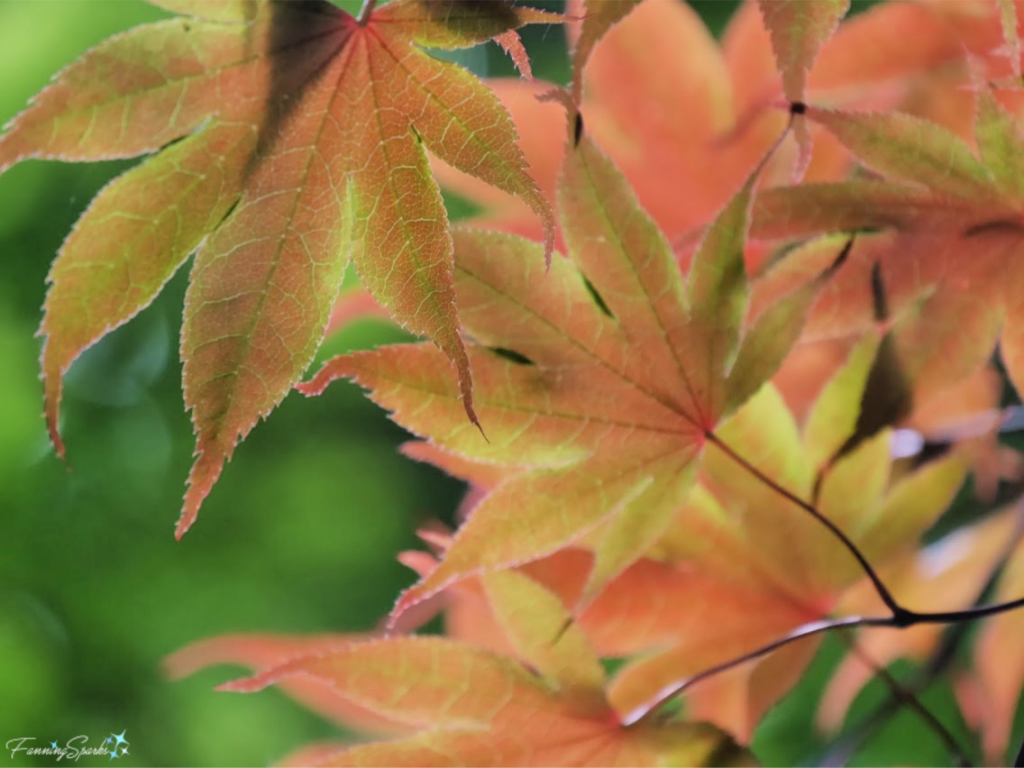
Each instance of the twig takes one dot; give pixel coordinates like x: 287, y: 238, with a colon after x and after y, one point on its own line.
x: 801, y: 632
x: 365, y: 12
x: 899, y: 613
x: 901, y: 618
x: 901, y: 694
x: 843, y: 748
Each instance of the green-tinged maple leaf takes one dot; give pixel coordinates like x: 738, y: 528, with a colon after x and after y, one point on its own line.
x: 469, y: 706
x: 1008, y: 21
x: 289, y: 137
x: 761, y: 566
x: 947, y: 264
x: 260, y: 652
x: 598, y: 383
x: 740, y: 566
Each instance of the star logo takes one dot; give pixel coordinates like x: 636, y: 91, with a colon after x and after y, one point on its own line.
x: 120, y: 739
x: 124, y: 751
x: 53, y: 744
x: 113, y: 753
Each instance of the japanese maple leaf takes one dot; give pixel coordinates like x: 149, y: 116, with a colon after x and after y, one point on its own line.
x: 653, y: 606
x: 465, y: 705
x: 598, y: 383
x: 666, y: 601
x: 260, y: 652
x: 947, y: 261
x: 761, y: 567
x: 289, y: 138
x: 686, y: 119
x: 738, y: 566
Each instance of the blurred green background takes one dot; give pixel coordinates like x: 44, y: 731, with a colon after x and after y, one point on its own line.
x: 299, y: 535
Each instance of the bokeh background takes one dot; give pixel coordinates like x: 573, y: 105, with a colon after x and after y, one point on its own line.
x: 299, y: 536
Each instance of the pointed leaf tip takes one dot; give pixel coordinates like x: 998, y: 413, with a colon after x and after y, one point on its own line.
x: 201, y: 479
x: 245, y: 684
x: 512, y: 44
x: 1011, y: 37
x: 276, y: 230
x: 798, y: 29
x: 51, y: 413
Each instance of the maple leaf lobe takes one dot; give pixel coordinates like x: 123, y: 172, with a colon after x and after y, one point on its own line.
x: 288, y: 138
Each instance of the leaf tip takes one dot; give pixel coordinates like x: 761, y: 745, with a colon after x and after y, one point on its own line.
x: 201, y: 479
x: 413, y: 596
x: 512, y: 44
x: 54, y: 431
x: 53, y: 388
x: 245, y: 684
x: 188, y: 516
x: 335, y: 368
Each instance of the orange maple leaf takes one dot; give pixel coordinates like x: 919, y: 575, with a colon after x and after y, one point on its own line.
x: 945, y: 265
x: 754, y: 546
x: 686, y: 119
x: 599, y: 383
x: 289, y: 138
x: 467, y: 705
x: 740, y: 566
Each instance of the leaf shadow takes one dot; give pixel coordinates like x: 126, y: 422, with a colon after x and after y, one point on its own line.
x: 305, y: 36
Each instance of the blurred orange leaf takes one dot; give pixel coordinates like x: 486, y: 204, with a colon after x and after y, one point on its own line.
x: 477, y: 707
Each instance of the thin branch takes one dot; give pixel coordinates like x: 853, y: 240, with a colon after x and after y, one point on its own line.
x: 806, y: 630
x: 899, y: 613
x: 967, y: 614
x: 365, y: 12
x: 902, y: 621
x: 977, y: 610
x: 901, y: 694
x: 901, y: 617
x: 843, y: 748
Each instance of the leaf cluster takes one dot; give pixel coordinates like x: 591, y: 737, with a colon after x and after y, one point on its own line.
x: 729, y: 335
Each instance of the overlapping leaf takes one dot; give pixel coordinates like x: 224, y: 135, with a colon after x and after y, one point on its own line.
x: 260, y: 652
x: 599, y: 382
x: 998, y: 670
x: 948, y: 574
x: 948, y: 261
x: 686, y: 119
x: 470, y: 706
x: 289, y: 138
x: 757, y: 547
x: 798, y: 31
x: 739, y: 566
